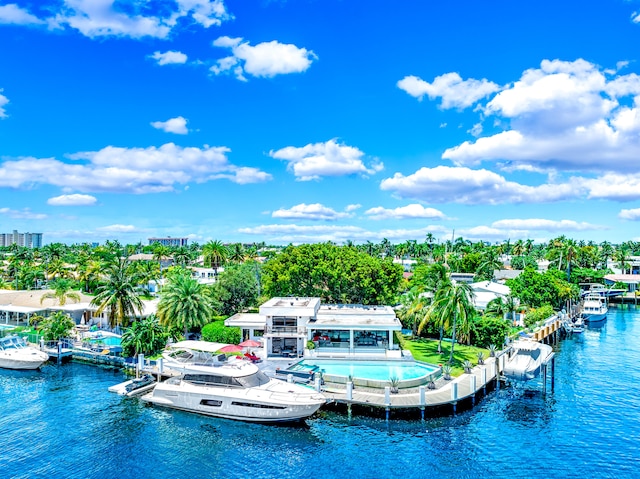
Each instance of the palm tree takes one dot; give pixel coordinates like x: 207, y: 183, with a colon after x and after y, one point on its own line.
x: 413, y: 304
x: 182, y: 256
x: 215, y: 254
x: 145, y: 336
x: 237, y: 253
x: 184, y: 304
x: 120, y: 295
x: 160, y: 253
x: 61, y: 293
x: 452, y: 303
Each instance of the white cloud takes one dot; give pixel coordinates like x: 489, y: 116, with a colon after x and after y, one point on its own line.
x: 170, y: 57
x: 451, y: 88
x: 630, y: 215
x: 338, y: 234
x: 13, y: 14
x: 315, y: 211
x: 97, y: 18
x: 635, y: 17
x: 266, y: 59
x: 24, y: 214
x: 412, y: 211
x: 3, y: 101
x: 176, y: 125
x: 353, y: 207
x: 119, y: 229
x: 313, y: 161
x: 564, y: 115
x: 72, y: 200
x: 545, y: 225
x: 444, y: 184
x: 615, y: 187
x: 129, y: 170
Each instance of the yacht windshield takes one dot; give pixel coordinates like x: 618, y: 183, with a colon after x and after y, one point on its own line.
x: 253, y: 380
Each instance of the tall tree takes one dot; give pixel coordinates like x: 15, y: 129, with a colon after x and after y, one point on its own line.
x: 184, y: 304
x: 120, y: 294
x: 215, y: 254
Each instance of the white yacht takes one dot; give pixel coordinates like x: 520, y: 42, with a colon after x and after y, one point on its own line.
x: 594, y: 309
x: 16, y: 354
x: 234, y: 389
x: 526, y: 359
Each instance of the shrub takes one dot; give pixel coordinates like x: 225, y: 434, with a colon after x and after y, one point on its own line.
x: 489, y: 330
x: 217, y: 332
x: 537, y: 315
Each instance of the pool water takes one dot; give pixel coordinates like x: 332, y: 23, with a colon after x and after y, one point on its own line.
x: 372, y: 370
x: 108, y: 340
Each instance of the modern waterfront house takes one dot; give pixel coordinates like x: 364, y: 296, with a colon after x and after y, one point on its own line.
x: 339, y: 330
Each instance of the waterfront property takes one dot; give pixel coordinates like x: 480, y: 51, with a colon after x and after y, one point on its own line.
x: 17, y: 308
x: 336, y: 330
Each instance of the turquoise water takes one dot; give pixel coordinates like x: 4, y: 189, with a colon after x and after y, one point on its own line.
x: 108, y: 340
x: 61, y: 422
x: 376, y: 370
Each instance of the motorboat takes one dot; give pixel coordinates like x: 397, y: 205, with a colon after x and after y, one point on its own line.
x: 15, y: 353
x: 526, y: 359
x: 134, y: 387
x: 574, y: 327
x: 213, y: 385
x: 593, y: 289
x: 594, y: 309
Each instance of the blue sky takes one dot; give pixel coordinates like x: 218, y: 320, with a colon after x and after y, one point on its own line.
x: 303, y: 121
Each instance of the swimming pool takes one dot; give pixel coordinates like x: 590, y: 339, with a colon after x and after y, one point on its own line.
x: 108, y: 340
x: 370, y: 373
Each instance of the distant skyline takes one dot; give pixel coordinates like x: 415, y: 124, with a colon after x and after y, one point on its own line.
x: 304, y: 121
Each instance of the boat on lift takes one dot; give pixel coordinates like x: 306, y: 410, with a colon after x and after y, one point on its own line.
x: 526, y: 359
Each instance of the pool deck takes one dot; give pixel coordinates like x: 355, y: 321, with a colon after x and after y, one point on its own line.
x: 447, y: 392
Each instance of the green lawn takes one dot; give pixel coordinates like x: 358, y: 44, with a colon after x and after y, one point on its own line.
x: 424, y: 349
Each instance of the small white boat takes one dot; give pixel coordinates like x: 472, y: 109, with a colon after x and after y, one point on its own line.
x: 15, y: 353
x: 594, y: 309
x: 526, y: 359
x: 575, y: 327
x: 233, y: 389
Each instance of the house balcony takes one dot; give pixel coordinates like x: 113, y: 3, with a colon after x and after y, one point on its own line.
x: 285, y: 331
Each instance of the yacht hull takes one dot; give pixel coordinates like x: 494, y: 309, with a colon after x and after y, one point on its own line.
x: 23, y: 363
x: 595, y: 317
x: 254, y: 406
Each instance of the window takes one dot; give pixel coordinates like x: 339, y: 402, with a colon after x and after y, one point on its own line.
x: 261, y: 406
x: 283, y: 321
x: 211, y: 402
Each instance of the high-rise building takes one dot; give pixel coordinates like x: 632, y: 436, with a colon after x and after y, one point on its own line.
x: 170, y: 241
x: 30, y: 240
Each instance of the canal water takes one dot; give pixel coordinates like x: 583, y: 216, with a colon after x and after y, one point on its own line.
x: 61, y: 422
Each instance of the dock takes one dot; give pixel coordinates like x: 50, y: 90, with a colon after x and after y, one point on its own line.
x: 447, y: 392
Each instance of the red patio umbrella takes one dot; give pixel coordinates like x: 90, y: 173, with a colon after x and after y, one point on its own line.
x: 250, y: 343
x: 230, y: 348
